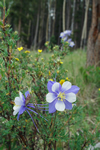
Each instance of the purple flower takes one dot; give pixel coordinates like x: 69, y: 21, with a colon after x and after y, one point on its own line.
x: 71, y: 44
x: 21, y: 105
x: 67, y: 32
x: 61, y: 97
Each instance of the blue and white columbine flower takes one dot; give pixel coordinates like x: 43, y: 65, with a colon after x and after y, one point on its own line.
x: 71, y: 44
x: 61, y: 97
x: 21, y: 105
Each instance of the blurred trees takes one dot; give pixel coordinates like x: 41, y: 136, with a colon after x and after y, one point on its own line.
x: 39, y: 21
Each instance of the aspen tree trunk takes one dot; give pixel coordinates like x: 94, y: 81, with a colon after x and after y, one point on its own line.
x: 49, y: 20
x: 47, y: 29
x: 53, y: 27
x: 64, y: 6
x: 73, y: 14
x: 68, y: 14
x: 36, y: 31
x: 40, y: 39
x: 93, y: 46
x: 84, y: 31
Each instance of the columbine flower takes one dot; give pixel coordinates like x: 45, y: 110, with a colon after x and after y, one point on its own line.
x: 39, y: 50
x: 21, y: 105
x: 71, y: 44
x: 20, y: 48
x: 67, y: 32
x: 61, y: 97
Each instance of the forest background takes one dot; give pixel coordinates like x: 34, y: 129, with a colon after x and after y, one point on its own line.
x: 43, y: 20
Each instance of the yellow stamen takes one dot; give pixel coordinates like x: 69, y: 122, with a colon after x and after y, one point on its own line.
x: 61, y: 96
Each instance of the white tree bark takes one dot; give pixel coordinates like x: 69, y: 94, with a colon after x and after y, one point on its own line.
x: 84, y: 31
x: 73, y: 14
x: 64, y: 6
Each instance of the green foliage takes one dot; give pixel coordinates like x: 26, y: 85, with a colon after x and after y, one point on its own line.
x: 19, y: 70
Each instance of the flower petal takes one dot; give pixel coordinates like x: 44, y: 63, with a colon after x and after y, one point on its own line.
x: 52, y: 108
x: 16, y: 110
x: 50, y: 97
x: 27, y: 94
x: 74, y: 89
x: 21, y: 96
x: 70, y: 97
x: 68, y: 105
x: 66, y: 86
x: 56, y: 87
x: 18, y: 101
x: 60, y: 106
x: 49, y: 86
x: 22, y: 109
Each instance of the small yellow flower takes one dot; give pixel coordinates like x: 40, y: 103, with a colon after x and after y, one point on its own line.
x: 7, y: 93
x: 27, y: 51
x: 67, y: 79
x: 57, y: 71
x: 42, y: 58
x: 40, y: 50
x: 62, y: 81
x: 17, y: 59
x: 66, y: 70
x: 61, y: 62
x: 46, y: 43
x: 49, y: 73
x: 50, y: 79
x: 99, y: 89
x: 20, y: 48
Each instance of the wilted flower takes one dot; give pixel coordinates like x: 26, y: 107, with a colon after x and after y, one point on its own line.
x: 61, y: 97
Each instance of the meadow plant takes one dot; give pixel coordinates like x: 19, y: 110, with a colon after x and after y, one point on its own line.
x: 41, y: 125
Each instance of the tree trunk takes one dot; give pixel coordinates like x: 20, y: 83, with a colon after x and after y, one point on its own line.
x: 68, y: 14
x: 64, y: 6
x: 84, y: 30
x: 53, y: 26
x: 73, y: 14
x: 40, y: 38
x: 36, y: 31
x: 93, y: 47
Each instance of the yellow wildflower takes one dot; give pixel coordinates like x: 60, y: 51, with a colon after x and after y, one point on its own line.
x: 46, y: 43
x: 7, y: 93
x: 20, y: 48
x: 50, y: 79
x: 49, y: 73
x: 67, y: 79
x: 66, y: 70
x: 27, y: 51
x: 39, y: 50
x: 61, y: 62
x: 17, y: 59
x: 57, y: 71
x: 62, y: 81
x: 42, y: 58
x: 99, y: 89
